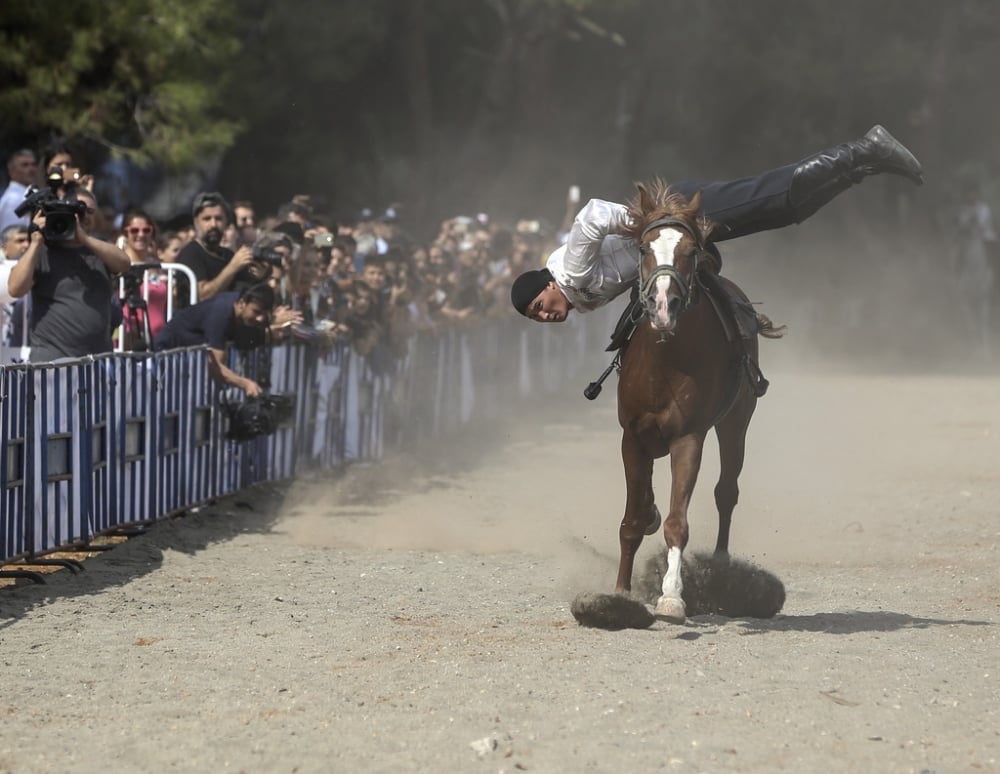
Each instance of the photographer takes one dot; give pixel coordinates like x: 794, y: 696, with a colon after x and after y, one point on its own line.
x: 57, y: 161
x: 276, y: 250
x: 68, y: 272
x: 225, y: 317
x: 217, y: 268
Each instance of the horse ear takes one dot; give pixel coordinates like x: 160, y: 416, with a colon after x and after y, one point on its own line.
x: 645, y: 199
x: 696, y: 200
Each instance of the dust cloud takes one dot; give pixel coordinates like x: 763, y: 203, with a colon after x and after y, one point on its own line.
x: 514, y: 486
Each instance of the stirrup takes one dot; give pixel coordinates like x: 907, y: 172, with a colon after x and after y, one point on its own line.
x: 593, y: 389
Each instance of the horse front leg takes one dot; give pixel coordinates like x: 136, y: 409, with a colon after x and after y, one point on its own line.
x: 685, y: 461
x: 639, y: 508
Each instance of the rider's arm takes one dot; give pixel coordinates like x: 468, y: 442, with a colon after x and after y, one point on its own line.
x: 592, y: 224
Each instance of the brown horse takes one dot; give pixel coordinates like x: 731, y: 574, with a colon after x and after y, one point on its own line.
x: 682, y: 373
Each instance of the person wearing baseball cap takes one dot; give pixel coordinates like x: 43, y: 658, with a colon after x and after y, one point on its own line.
x: 217, y: 268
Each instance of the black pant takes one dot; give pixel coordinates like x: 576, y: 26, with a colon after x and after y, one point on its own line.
x: 748, y: 205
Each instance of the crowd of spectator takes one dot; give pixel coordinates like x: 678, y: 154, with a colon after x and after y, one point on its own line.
x: 368, y: 280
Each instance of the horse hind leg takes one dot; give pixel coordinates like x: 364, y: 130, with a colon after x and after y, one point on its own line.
x: 732, y: 433
x: 685, y: 461
x: 640, y: 511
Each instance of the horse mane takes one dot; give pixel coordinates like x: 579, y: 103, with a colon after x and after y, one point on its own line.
x: 656, y: 200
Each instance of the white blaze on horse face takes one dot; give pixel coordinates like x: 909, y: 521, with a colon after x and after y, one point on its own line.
x: 663, y: 248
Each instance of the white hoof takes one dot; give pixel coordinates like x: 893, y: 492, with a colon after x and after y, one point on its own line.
x: 654, y: 526
x: 671, y: 609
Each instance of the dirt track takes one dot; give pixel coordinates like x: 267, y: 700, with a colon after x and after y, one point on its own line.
x: 428, y: 629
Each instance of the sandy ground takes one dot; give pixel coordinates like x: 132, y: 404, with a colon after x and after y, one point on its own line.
x: 416, y: 617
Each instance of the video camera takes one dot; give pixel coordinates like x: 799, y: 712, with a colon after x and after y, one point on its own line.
x: 132, y: 280
x: 258, y: 416
x: 60, y: 214
x: 268, y: 255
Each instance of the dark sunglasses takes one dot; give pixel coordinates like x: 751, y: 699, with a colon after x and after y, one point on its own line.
x: 136, y: 230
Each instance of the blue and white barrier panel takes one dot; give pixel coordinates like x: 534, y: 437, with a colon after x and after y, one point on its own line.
x: 100, y: 443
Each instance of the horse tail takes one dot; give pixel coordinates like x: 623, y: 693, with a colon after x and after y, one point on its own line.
x: 768, y: 329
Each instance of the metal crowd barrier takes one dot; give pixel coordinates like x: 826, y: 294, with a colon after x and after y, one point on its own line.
x: 133, y: 317
x: 101, y: 443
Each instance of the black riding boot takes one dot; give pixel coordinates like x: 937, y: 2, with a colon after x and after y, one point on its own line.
x: 820, y: 177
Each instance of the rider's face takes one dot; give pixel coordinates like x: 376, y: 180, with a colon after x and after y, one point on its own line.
x: 549, y: 306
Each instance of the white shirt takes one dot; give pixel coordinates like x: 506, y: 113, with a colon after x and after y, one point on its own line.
x: 12, y: 198
x: 5, y: 268
x: 595, y: 265
x: 6, y: 304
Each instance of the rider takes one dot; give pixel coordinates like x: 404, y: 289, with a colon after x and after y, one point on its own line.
x: 596, y: 265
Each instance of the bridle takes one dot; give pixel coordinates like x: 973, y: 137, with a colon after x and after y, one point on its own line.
x: 685, y: 283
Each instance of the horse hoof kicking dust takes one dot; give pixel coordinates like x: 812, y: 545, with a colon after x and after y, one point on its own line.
x: 714, y: 584
x: 611, y: 611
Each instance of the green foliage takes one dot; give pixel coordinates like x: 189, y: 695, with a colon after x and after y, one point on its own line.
x: 442, y: 102
x: 141, y: 77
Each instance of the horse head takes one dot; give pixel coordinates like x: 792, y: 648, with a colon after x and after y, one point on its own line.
x: 671, y: 235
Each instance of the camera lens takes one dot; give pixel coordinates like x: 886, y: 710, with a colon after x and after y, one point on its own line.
x: 60, y: 226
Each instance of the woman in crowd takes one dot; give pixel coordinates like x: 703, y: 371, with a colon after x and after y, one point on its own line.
x: 168, y: 245
x: 145, y: 288
x: 138, y: 238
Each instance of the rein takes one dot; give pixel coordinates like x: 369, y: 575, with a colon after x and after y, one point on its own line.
x: 685, y: 283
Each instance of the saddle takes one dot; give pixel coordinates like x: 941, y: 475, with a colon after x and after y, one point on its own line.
x: 735, y: 312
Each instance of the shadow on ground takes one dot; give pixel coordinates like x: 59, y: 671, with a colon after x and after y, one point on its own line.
x: 254, y: 510
x: 851, y: 622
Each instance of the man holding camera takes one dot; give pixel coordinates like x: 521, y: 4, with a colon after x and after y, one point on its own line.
x: 216, y: 267
x: 228, y: 316
x: 69, y: 273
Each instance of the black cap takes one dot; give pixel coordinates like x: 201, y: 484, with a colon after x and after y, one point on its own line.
x: 527, y: 287
x: 211, y: 199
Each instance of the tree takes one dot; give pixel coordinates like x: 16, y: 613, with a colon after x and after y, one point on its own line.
x: 141, y: 78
